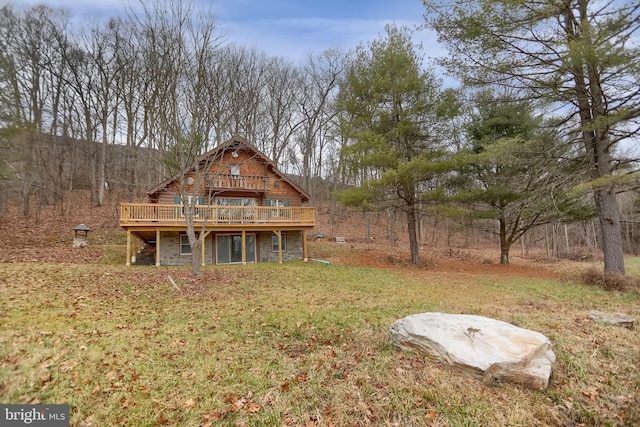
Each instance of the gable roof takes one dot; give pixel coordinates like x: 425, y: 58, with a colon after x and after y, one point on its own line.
x: 233, y: 144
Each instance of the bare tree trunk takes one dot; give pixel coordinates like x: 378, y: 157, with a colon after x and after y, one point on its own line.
x: 547, y: 244
x: 413, y: 235
x: 26, y: 193
x: 391, y: 226
x: 505, y: 245
x: 368, y: 216
x: 102, y: 158
x: 612, y: 246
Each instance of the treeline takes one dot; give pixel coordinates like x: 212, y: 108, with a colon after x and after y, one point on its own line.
x: 525, y: 150
x: 116, y: 82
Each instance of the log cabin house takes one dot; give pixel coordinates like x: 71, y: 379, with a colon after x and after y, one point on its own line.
x: 247, y: 209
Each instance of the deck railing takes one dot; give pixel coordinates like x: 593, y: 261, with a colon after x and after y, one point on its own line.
x: 244, y: 182
x: 158, y: 214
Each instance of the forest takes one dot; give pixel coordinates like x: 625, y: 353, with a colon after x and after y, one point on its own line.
x: 536, y: 146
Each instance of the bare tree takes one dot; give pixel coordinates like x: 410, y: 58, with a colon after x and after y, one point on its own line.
x: 245, y: 88
x: 282, y: 93
x: 322, y: 73
x: 103, y: 53
x: 182, y: 43
x: 31, y: 92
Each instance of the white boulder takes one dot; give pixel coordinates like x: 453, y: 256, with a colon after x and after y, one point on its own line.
x: 79, y: 243
x: 486, y: 348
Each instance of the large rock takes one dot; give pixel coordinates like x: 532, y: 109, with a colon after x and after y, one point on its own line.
x: 618, y: 319
x: 486, y: 348
x: 79, y: 243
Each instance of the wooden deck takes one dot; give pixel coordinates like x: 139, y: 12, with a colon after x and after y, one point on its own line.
x: 155, y: 215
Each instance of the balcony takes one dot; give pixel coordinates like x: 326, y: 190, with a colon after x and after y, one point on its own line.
x: 155, y: 215
x: 218, y: 181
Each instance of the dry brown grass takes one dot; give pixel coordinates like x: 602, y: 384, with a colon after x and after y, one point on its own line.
x: 609, y: 281
x: 303, y: 344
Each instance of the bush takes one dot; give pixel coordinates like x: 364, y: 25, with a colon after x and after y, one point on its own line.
x: 610, y: 281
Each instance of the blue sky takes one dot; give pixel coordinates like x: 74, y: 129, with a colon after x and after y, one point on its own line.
x: 288, y: 28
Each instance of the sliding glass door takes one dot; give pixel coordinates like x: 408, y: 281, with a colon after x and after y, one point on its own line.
x: 229, y: 248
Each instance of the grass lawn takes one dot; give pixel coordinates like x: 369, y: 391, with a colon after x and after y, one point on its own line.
x: 298, y: 344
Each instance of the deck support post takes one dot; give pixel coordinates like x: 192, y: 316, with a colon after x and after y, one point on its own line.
x: 244, y: 247
x: 305, y: 254
x: 157, y: 248
x: 203, y: 250
x: 128, y: 261
x: 279, y: 234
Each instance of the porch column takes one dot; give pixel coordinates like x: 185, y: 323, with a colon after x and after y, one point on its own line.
x: 244, y: 248
x: 305, y: 255
x: 128, y: 261
x: 279, y: 234
x: 157, y: 248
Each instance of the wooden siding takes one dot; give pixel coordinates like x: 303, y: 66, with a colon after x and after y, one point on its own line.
x: 256, y: 180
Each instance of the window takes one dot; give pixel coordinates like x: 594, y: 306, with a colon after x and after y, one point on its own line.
x: 278, y: 204
x: 235, y: 201
x: 238, y: 209
x: 185, y: 247
x: 235, y: 170
x: 274, y: 242
x: 199, y: 201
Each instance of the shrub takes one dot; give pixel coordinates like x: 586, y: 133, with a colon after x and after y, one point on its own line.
x: 610, y: 281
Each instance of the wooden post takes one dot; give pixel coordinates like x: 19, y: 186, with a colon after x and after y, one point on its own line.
x: 157, y: 248
x: 305, y: 255
x: 204, y: 252
x: 244, y: 248
x: 128, y: 261
x: 135, y: 248
x: 279, y: 234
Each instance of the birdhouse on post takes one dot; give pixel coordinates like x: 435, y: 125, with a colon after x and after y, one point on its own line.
x: 81, y: 234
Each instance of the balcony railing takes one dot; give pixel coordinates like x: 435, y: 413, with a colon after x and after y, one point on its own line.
x: 150, y: 214
x: 240, y: 182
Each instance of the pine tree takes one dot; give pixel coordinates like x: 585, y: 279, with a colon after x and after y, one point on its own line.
x: 390, y: 115
x: 580, y: 55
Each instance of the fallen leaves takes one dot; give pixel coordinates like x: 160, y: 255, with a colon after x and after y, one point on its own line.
x: 298, y: 378
x: 188, y: 404
x: 235, y: 403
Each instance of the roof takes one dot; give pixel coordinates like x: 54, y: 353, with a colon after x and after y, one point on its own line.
x: 234, y: 143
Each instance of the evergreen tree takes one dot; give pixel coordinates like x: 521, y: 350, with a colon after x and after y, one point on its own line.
x: 513, y: 171
x: 581, y: 55
x: 390, y: 115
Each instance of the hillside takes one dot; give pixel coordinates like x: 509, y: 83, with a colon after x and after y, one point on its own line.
x: 47, y: 237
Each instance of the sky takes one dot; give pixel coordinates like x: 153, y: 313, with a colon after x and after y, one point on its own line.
x: 288, y: 28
